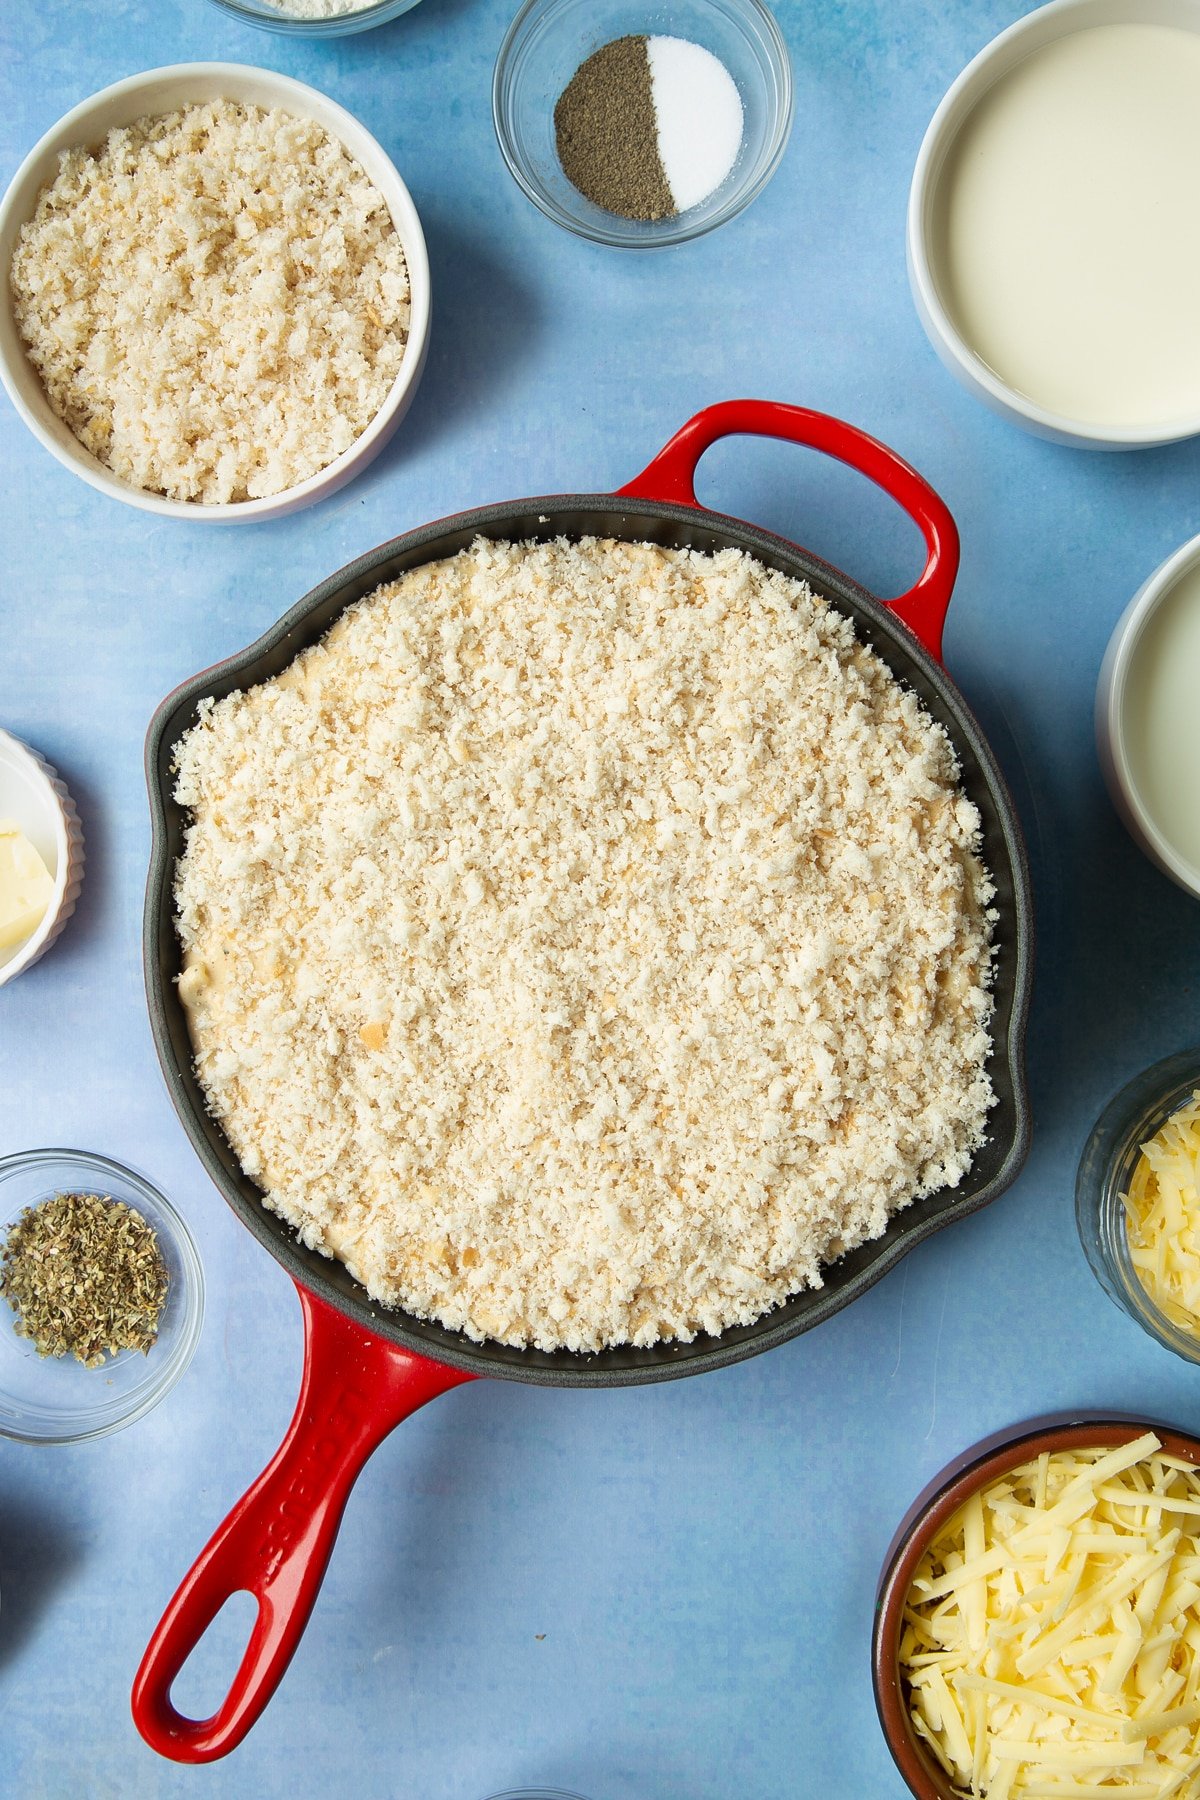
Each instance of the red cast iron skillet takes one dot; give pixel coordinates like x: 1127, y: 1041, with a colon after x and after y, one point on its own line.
x: 366, y: 1368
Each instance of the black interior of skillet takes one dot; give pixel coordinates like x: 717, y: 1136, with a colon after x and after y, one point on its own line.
x: 996, y: 1164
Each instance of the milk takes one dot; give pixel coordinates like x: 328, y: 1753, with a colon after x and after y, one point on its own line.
x: 1070, y: 227
x: 1160, y: 717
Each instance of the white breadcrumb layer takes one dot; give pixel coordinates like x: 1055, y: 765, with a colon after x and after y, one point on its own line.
x: 586, y: 942
x: 216, y: 300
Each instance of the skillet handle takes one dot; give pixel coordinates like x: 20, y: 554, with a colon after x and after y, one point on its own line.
x: 277, y: 1541
x: 671, y: 476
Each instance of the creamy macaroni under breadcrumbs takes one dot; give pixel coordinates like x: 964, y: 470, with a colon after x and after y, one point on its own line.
x: 216, y: 300
x: 586, y: 942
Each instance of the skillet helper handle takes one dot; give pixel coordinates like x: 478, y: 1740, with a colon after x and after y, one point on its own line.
x: 671, y: 477
x: 277, y: 1541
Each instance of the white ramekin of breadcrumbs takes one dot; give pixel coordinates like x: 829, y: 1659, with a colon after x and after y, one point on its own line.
x: 215, y: 293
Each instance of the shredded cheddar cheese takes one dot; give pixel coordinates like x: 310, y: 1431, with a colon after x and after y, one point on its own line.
x: 1162, y: 1217
x: 1051, y: 1638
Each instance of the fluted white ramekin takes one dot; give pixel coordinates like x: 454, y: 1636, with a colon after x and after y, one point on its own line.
x: 33, y: 796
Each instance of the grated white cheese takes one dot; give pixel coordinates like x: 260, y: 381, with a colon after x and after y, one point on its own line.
x: 1043, y: 1657
x: 587, y: 942
x: 1162, y: 1217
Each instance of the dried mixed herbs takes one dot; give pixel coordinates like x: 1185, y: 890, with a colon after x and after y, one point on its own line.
x: 85, y: 1277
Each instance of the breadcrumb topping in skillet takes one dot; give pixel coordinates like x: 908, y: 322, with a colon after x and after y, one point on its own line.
x: 587, y: 942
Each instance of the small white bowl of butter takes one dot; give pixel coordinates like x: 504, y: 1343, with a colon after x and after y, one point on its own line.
x: 41, y: 856
x: 1148, y: 719
x: 1053, y: 234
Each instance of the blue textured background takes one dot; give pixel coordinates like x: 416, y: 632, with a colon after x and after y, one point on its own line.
x: 664, y: 1593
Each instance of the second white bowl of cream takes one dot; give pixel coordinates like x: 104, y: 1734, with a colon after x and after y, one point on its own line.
x: 1148, y: 718
x: 1053, y: 235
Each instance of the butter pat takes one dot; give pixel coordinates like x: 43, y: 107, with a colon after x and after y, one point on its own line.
x: 26, y: 886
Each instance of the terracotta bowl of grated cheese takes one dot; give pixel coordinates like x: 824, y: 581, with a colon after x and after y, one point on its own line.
x: 1036, y: 1628
x: 230, y: 352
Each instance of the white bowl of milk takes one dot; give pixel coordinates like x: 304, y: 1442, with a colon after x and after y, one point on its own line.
x: 1148, y: 717
x: 1053, y: 232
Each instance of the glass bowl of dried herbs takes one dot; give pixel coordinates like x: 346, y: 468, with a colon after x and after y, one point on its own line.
x: 101, y: 1296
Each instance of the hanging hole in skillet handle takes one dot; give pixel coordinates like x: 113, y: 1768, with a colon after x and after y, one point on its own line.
x: 202, y: 1681
x: 671, y: 477
x: 276, y: 1543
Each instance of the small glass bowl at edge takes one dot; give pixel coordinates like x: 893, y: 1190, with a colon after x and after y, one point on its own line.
x: 549, y: 39
x: 268, y: 18
x: 55, y: 1400
x: 1105, y: 1170
x: 536, y: 1794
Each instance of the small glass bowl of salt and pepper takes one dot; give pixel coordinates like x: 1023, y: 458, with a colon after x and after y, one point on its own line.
x: 640, y: 127
x: 156, y: 1310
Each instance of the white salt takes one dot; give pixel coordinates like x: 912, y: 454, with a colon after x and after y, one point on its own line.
x: 699, y: 114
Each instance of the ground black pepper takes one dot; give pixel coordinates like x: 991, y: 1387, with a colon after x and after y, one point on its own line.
x: 607, y: 135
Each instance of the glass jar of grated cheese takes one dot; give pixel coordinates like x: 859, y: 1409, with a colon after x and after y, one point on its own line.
x: 1142, y: 1242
